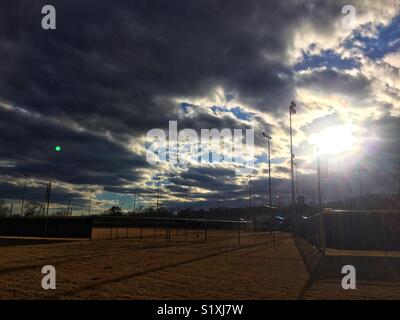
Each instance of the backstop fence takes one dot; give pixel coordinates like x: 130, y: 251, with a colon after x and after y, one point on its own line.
x: 98, y: 227
x: 357, y: 230
x: 46, y: 227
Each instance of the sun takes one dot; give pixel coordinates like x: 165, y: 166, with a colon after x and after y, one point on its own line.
x: 334, y: 140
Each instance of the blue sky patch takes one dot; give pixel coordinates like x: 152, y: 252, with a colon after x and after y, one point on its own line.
x: 238, y: 112
x: 185, y: 107
x: 328, y: 59
x: 387, y: 40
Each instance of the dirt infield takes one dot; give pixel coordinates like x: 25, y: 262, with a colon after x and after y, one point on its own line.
x: 150, y: 268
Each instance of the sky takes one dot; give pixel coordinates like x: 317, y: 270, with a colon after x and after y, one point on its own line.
x: 112, y: 71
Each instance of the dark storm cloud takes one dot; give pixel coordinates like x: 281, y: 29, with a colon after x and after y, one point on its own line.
x: 37, y: 193
x: 125, y: 190
x: 28, y: 142
x: 116, y: 67
x: 385, y: 146
x: 208, y: 175
x: 336, y: 82
x: 112, y: 62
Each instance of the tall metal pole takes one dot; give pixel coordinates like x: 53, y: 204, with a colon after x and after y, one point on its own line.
x: 23, y: 197
x: 48, y: 198
x: 359, y: 170
x: 292, y: 110
x: 251, y: 204
x: 269, y: 171
x: 90, y: 203
x: 48, y: 191
x: 269, y: 167
x: 11, y: 209
x: 250, y: 187
x: 158, y: 193
x: 69, y: 206
x: 319, y: 180
x: 250, y: 194
x: 159, y: 178
x: 134, y: 202
x: 297, y: 181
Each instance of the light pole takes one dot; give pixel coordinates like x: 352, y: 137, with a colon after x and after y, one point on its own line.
x: 359, y: 170
x: 292, y: 110
x: 48, y: 192
x: 319, y: 180
x: 134, y: 202
x: 23, y: 196
x: 297, y: 181
x: 250, y: 176
x: 69, y: 206
x: 268, y: 137
x: 90, y: 203
x: 158, y: 178
x: 251, y: 205
x: 186, y: 198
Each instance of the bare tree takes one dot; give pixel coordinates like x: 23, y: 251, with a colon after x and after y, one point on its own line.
x: 32, y: 209
x: 3, y: 208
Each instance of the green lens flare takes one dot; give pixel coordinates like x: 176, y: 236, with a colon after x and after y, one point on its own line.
x: 58, y: 148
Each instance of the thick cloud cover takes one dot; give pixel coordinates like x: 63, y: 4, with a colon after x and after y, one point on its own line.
x: 111, y: 71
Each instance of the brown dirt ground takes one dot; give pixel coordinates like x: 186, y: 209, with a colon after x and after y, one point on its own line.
x: 183, y: 268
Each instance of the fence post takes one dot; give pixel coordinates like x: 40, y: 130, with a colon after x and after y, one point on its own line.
x: 117, y: 230
x: 141, y: 231
x: 111, y: 232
